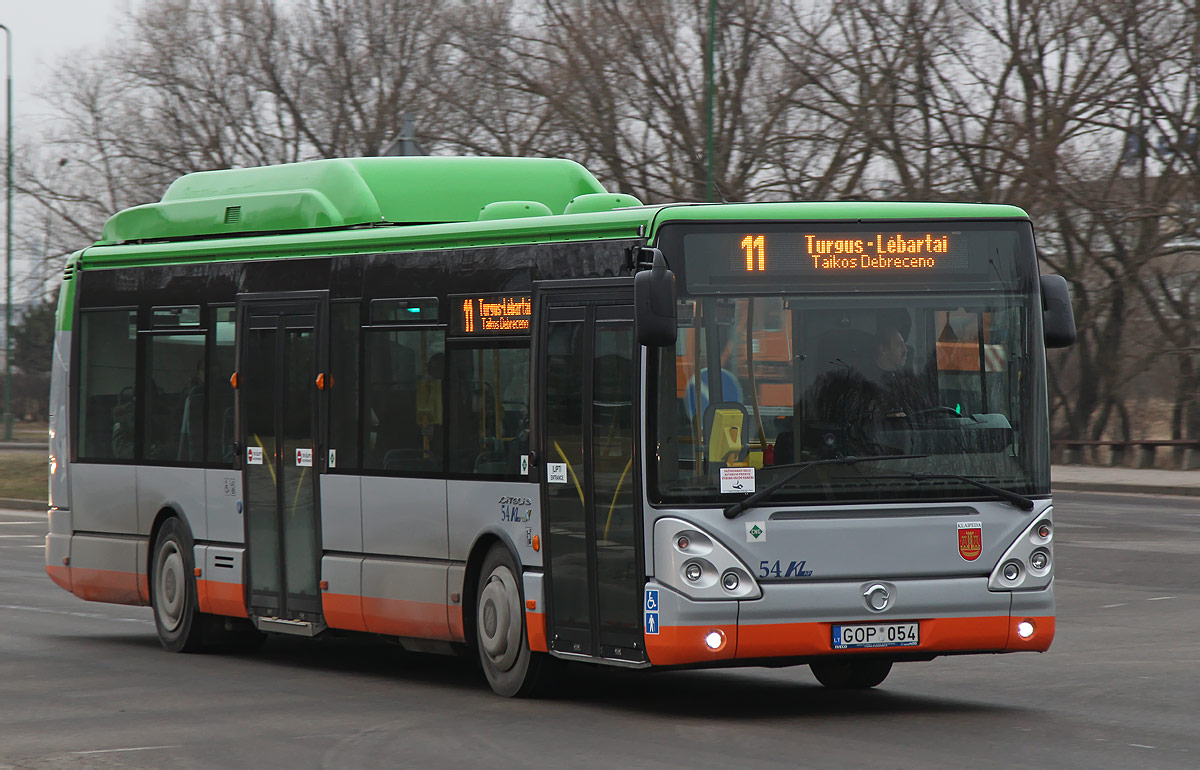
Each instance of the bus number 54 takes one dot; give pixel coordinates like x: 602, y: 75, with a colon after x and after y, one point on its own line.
x: 776, y: 569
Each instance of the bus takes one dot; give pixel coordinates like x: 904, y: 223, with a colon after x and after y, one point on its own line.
x: 464, y: 404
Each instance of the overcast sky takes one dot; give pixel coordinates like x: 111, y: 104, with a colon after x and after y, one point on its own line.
x: 46, y: 31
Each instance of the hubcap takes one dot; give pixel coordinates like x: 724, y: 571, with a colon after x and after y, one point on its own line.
x: 169, y: 597
x: 499, y: 619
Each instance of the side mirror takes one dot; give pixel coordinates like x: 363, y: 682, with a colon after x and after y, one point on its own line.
x: 1058, y: 320
x: 654, y: 302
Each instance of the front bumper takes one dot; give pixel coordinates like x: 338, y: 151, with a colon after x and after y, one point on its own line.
x: 794, y: 620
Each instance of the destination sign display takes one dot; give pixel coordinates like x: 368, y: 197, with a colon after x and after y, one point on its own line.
x: 801, y: 252
x: 491, y: 314
x: 721, y: 258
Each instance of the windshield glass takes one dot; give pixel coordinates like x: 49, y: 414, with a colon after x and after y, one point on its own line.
x: 954, y: 375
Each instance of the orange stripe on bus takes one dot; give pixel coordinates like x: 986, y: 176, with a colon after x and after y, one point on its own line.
x: 454, y: 616
x: 60, y: 575
x: 402, y: 617
x: 221, y: 598
x: 937, y: 635
x: 535, y: 631
x: 675, y: 645
x: 104, y: 585
x: 343, y: 611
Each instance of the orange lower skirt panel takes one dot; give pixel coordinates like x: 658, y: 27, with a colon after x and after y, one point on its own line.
x: 103, y: 585
x: 60, y: 575
x: 679, y: 645
x: 221, y: 598
x: 535, y: 630
x: 401, y: 617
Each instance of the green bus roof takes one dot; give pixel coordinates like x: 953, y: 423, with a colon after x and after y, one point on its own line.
x: 353, y: 192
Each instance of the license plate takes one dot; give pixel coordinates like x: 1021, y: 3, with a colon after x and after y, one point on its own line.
x: 858, y: 636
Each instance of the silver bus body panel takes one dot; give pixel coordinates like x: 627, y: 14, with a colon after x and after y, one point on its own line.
x: 180, y: 489
x: 341, y: 513
x: 105, y: 498
x: 864, y: 541
x: 511, y: 507
x: 400, y: 517
x: 827, y: 602
x: 223, y: 505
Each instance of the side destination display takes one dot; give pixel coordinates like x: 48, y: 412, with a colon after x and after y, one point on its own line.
x: 491, y: 314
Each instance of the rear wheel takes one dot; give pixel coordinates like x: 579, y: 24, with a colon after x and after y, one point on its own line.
x: 851, y: 674
x: 511, y: 669
x: 173, y: 590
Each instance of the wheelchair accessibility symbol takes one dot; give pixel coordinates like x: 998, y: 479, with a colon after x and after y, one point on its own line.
x: 651, y: 611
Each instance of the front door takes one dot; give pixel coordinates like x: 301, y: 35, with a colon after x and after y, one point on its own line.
x: 591, y: 511
x: 278, y: 389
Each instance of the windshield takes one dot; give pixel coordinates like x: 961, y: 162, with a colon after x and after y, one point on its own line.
x: 955, y: 377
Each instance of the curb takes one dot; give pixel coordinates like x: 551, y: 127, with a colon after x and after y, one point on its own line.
x: 15, y: 503
x: 1133, y: 489
x: 23, y: 446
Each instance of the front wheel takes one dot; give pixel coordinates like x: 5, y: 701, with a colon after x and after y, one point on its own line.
x: 511, y: 669
x: 851, y: 674
x: 173, y: 590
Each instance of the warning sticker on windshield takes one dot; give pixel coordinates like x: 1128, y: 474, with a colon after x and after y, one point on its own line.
x: 737, y: 480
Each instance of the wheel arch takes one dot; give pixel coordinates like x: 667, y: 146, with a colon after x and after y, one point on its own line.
x: 484, y: 542
x: 168, y: 510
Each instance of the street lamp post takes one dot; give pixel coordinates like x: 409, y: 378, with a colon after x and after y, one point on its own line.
x: 8, y: 417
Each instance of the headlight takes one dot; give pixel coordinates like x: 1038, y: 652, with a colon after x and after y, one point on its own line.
x: 697, y: 565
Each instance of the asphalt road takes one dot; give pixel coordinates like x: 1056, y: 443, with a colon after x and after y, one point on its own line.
x: 87, y: 685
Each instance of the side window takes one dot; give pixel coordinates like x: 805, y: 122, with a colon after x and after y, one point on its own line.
x: 221, y: 366
x: 402, y: 410
x: 173, y: 427
x: 106, y: 384
x: 489, y: 410
x: 343, y: 391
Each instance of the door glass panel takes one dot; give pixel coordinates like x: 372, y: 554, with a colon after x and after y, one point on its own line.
x: 258, y: 383
x: 565, y: 488
x: 612, y: 452
x: 298, y: 463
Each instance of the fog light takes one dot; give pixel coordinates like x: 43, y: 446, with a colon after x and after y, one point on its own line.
x: 730, y: 581
x: 715, y: 639
x: 1044, y: 530
x: 682, y: 543
x: 1011, y: 571
x: 1025, y: 629
x: 692, y: 572
x: 1039, y: 560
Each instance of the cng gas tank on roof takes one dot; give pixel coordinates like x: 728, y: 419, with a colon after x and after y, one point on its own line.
x: 346, y: 192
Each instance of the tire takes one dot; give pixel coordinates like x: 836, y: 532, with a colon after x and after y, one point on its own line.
x: 173, y: 590
x: 500, y: 636
x: 859, y: 674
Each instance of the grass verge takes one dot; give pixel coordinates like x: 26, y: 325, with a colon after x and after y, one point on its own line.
x: 23, y: 475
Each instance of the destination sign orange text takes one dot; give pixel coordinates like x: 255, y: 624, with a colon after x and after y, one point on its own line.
x: 493, y: 314
x: 847, y: 251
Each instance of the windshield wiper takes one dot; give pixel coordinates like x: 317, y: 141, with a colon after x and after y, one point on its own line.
x: 1021, y: 501
x: 734, y: 510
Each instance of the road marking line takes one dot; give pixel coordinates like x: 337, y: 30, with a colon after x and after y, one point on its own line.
x: 28, y: 521
x: 92, y: 615
x: 136, y: 748
x: 1160, y: 598
x: 1141, y: 746
x: 1110, y: 606
x: 9, y: 536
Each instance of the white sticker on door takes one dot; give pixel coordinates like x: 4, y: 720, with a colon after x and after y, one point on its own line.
x: 304, y: 458
x: 735, y: 480
x: 254, y: 455
x: 556, y: 473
